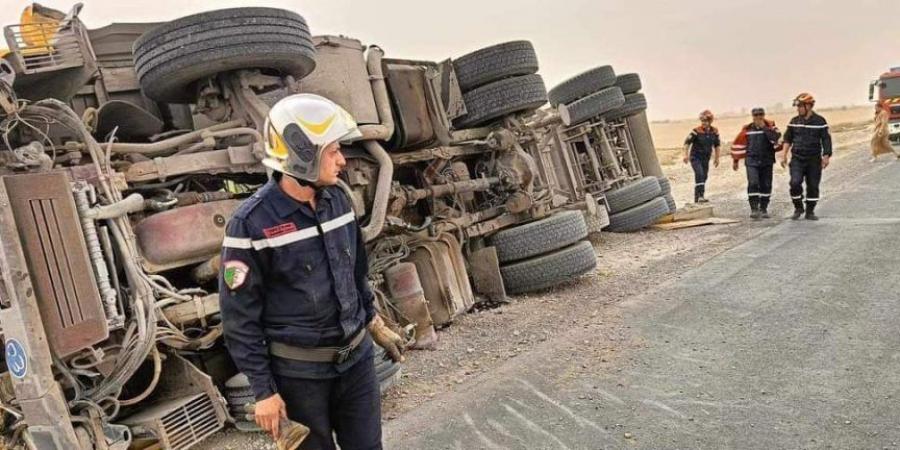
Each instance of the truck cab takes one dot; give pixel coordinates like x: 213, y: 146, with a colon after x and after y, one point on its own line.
x: 888, y: 91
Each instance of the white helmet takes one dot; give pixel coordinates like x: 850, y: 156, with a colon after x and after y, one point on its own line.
x: 298, y: 128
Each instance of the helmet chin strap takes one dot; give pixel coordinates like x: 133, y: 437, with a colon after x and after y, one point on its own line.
x: 277, y: 176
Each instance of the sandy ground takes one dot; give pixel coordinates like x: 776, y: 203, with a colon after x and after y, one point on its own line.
x: 482, y: 342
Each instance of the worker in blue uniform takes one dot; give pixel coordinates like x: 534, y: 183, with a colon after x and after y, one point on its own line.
x: 298, y: 313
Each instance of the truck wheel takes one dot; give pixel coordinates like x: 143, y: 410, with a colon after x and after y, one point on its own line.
x: 583, y: 84
x: 495, y: 63
x: 539, y: 237
x: 633, y: 194
x: 390, y: 379
x: 170, y: 58
x: 634, y: 104
x: 247, y: 427
x: 497, y: 99
x: 673, y: 208
x: 594, y: 105
x: 629, y: 83
x: 639, y: 217
x: 664, y: 185
x: 549, y: 270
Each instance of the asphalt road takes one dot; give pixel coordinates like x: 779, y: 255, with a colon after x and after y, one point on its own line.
x: 790, y: 340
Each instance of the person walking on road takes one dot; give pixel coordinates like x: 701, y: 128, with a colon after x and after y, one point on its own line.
x: 881, y: 140
x: 702, y: 144
x: 808, y: 148
x: 298, y: 314
x: 757, y: 144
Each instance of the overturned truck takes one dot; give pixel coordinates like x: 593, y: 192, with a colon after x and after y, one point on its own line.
x: 127, y: 148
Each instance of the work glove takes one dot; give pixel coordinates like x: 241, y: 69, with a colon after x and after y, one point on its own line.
x: 734, y: 165
x: 391, y: 342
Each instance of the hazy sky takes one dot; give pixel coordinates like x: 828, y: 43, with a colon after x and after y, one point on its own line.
x: 692, y: 55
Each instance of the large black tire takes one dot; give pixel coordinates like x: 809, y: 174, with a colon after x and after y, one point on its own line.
x: 548, y: 270
x: 240, y: 392
x: 497, y: 99
x: 670, y: 201
x: 390, y: 380
x: 247, y: 427
x: 495, y: 63
x: 594, y: 105
x: 583, y: 84
x: 539, y: 237
x: 629, y: 83
x: 170, y: 58
x: 634, y: 104
x: 631, y: 195
x: 239, y: 400
x: 387, y: 372
x: 639, y: 217
x: 664, y: 185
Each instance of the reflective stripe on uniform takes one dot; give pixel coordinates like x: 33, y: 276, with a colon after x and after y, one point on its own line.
x: 239, y: 243
x: 799, y: 197
x: 336, y: 223
x: 739, y: 152
x: 765, y: 195
x: 812, y: 199
x: 289, y: 238
x: 753, y: 194
x: 285, y: 239
x: 799, y: 125
x: 755, y: 132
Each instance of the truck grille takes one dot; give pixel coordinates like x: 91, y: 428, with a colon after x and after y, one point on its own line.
x: 191, y: 423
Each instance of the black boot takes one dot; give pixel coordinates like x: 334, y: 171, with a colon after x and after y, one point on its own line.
x: 754, y: 208
x: 698, y: 193
x: 798, y: 209
x: 811, y: 211
x: 764, y: 207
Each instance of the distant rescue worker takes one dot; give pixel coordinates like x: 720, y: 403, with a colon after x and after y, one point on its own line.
x: 701, y: 145
x: 807, y: 144
x: 757, y: 144
x: 296, y: 306
x: 881, y: 139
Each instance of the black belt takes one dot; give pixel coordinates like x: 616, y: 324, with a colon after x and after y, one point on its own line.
x: 336, y: 355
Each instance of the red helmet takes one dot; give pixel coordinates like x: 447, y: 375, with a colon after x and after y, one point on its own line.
x: 804, y: 99
x: 707, y: 116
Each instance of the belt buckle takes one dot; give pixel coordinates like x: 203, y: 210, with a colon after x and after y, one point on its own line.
x: 343, y: 354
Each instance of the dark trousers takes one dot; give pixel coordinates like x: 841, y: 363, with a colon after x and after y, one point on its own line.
x: 700, y: 164
x: 759, y: 186
x: 349, y: 406
x: 809, y: 170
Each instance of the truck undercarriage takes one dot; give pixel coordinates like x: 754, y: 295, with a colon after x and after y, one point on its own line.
x: 126, y: 149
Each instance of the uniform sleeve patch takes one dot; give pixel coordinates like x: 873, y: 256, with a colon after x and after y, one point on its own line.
x: 235, y: 274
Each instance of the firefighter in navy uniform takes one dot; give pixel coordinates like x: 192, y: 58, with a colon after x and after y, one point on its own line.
x: 807, y: 144
x: 297, y: 310
x: 701, y: 145
x: 757, y: 144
